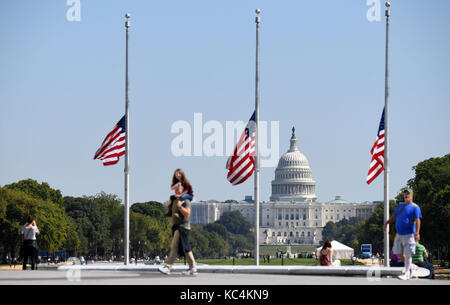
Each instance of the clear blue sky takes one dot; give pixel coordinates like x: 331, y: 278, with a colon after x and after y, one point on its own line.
x: 322, y: 71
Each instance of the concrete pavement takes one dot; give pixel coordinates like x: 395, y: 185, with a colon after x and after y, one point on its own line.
x: 282, y: 270
x: 80, y: 277
x: 142, y: 274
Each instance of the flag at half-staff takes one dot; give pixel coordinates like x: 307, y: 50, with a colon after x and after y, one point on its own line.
x: 377, y: 152
x: 113, y: 145
x: 241, y: 164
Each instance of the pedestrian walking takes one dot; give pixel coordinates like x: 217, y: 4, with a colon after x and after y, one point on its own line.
x: 181, y: 211
x: 407, y: 219
x: 13, y: 262
x: 30, y: 247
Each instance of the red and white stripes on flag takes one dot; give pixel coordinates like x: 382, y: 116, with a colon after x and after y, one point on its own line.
x: 377, y: 151
x: 113, y: 145
x: 241, y: 164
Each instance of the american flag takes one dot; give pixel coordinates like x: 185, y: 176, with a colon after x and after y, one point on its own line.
x: 377, y: 151
x: 242, y: 163
x: 113, y: 145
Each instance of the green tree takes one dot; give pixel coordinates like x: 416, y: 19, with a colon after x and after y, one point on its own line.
x: 218, y: 228
x: 40, y: 191
x: 116, y: 230
x: 235, y: 223
x: 348, y: 230
x: 56, y: 229
x: 345, y: 231
x: 92, y: 216
x: 155, y: 227
x: 207, y: 244
x: 218, y: 247
x: 153, y: 209
x: 199, y: 241
x: 371, y: 230
x: 234, y: 229
x: 431, y: 186
x: 148, y: 235
x: 329, y: 232
x: 238, y: 243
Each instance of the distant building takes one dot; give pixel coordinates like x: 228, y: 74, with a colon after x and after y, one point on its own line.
x: 205, y: 212
x: 292, y: 216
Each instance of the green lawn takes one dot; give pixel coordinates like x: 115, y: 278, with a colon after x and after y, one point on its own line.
x: 273, y: 261
x: 271, y: 250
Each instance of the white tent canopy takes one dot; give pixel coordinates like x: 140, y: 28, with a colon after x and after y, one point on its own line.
x: 340, y: 251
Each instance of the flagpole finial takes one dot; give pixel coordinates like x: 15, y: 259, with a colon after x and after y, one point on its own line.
x: 127, y: 23
x: 388, y: 4
x: 257, y: 19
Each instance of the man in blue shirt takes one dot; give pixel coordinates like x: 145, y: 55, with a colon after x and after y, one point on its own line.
x: 407, y: 219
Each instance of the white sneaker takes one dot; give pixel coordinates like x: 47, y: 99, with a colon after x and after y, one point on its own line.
x: 415, y: 272
x: 192, y: 272
x: 404, y: 277
x: 164, y: 270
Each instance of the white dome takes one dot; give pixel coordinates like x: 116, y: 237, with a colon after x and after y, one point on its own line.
x: 293, y: 176
x: 293, y: 159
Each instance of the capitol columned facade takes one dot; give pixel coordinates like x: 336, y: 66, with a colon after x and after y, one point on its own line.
x: 293, y: 215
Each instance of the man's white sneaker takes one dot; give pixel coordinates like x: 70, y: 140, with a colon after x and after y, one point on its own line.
x: 164, y: 270
x: 192, y: 272
x: 414, y: 271
x: 403, y: 277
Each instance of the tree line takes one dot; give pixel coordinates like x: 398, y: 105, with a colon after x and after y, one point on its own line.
x: 431, y: 187
x: 93, y: 225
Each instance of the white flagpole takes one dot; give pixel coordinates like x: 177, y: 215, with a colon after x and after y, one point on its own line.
x: 127, y: 153
x: 256, y: 251
x: 386, y: 142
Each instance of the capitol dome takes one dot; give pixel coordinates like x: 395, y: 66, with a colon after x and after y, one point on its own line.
x: 293, y: 176
x: 293, y: 158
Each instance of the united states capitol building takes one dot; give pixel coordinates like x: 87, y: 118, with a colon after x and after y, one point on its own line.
x: 293, y: 215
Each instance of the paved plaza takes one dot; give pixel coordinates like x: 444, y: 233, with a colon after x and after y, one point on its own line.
x: 83, y: 277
